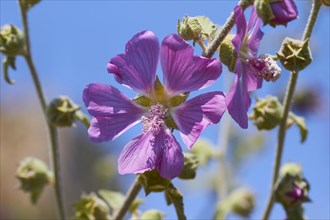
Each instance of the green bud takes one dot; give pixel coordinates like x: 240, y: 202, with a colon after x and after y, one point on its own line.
x: 264, y: 10
x: 292, y: 169
x: 267, y: 113
x: 241, y: 202
x: 190, y: 166
x: 63, y: 112
x: 27, y: 4
x: 189, y: 28
x: 33, y: 176
x: 295, y: 55
x: 326, y: 2
x: 11, y: 41
x: 152, y: 214
x: 203, y: 150
x: 153, y: 182
x: 91, y: 207
x: 228, y: 55
x: 292, y: 191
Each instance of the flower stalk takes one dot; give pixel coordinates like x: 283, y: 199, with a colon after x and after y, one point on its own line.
x: 287, y: 105
x: 54, y: 152
x: 130, y: 197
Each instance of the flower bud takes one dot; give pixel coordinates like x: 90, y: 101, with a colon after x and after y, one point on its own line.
x: 153, y: 182
x: 62, y: 112
x: 292, y: 169
x: 242, y: 202
x: 33, y: 176
x: 292, y: 191
x: 276, y: 12
x: 295, y: 55
x: 189, y: 28
x: 11, y: 41
x: 91, y: 207
x: 152, y: 214
x: 190, y: 166
x: 228, y: 55
x: 267, y: 113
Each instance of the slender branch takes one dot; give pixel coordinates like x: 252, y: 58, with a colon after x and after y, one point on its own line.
x: 52, y: 130
x: 130, y: 197
x: 226, y: 28
x: 287, y: 105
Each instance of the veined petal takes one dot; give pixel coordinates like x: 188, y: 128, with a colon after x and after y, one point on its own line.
x: 255, y: 34
x: 172, y: 161
x: 238, y: 102
x: 240, y: 22
x: 251, y: 81
x: 114, y: 113
x: 107, y: 101
x: 140, y: 154
x: 184, y: 72
x: 193, y: 116
x: 136, y: 68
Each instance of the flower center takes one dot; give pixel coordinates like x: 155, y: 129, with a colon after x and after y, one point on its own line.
x: 154, y: 118
x: 264, y: 67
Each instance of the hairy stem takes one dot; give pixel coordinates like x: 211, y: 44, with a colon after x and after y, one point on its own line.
x: 130, y: 197
x: 51, y: 129
x: 226, y: 28
x: 287, y: 105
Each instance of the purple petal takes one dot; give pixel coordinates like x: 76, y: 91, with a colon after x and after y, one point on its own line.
x: 114, y: 113
x: 148, y: 151
x: 255, y: 38
x: 196, y: 114
x: 253, y: 19
x: 136, y: 68
x: 184, y: 72
x: 140, y: 154
x: 251, y: 82
x: 284, y: 11
x: 172, y: 161
x: 240, y: 22
x: 238, y: 102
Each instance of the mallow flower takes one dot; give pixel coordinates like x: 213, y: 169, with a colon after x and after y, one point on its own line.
x: 249, y: 68
x: 160, y: 107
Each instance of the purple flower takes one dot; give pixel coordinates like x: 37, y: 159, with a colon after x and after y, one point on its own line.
x: 163, y: 107
x: 246, y: 43
x: 284, y: 11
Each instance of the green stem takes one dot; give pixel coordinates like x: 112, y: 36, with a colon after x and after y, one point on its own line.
x: 226, y: 28
x: 130, y: 197
x: 52, y: 130
x: 287, y: 105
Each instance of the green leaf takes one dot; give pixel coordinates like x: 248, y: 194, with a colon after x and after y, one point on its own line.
x: 301, y: 123
x: 152, y: 214
x: 209, y: 29
x: 173, y: 196
x: 114, y: 199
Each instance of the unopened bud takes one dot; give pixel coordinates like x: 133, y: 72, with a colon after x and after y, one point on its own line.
x: 152, y: 214
x: 189, y: 28
x: 153, y: 182
x: 228, y: 55
x: 242, y: 202
x: 190, y: 166
x: 63, y: 112
x: 295, y: 55
x: 267, y: 113
x: 276, y: 12
x: 292, y: 169
x: 91, y: 207
x: 33, y: 176
x: 11, y: 41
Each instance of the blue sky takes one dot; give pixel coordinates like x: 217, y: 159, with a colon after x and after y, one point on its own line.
x: 73, y: 40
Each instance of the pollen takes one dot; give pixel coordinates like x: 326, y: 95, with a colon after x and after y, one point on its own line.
x: 265, y: 67
x: 154, y: 119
